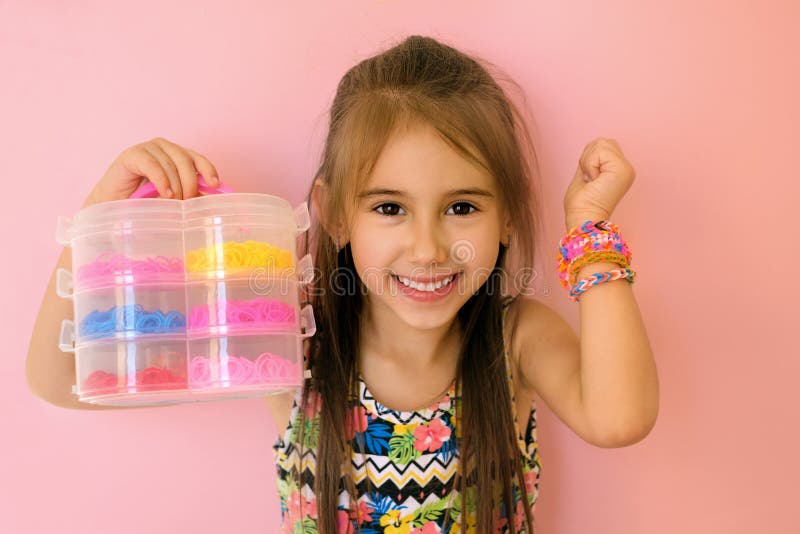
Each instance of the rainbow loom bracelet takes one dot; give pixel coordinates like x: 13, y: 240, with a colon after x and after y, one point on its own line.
x: 592, y: 242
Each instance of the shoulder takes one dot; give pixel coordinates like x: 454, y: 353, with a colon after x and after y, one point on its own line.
x: 543, y: 344
x: 545, y: 349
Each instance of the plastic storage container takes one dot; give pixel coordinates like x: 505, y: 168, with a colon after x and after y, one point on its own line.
x: 185, y: 300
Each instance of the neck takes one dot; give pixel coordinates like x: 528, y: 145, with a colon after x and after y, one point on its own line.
x: 390, y: 343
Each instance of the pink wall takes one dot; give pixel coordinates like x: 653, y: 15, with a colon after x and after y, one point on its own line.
x: 702, y: 97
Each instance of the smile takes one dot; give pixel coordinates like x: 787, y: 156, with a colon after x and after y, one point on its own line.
x: 429, y: 287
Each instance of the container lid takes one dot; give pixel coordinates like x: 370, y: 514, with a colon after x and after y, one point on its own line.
x: 128, y: 215
x: 121, y: 216
x: 278, y: 210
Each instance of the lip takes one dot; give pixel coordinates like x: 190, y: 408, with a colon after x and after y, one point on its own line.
x: 427, y: 279
x: 426, y: 296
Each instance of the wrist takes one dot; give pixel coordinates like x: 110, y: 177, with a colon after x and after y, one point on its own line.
x: 94, y: 197
x: 576, y: 219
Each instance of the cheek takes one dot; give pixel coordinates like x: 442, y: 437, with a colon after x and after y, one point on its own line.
x: 370, y: 259
x: 484, y: 256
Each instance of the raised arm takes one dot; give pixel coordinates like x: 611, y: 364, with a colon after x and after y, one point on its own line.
x: 173, y: 170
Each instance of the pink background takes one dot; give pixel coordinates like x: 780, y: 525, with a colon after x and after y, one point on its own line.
x: 702, y: 96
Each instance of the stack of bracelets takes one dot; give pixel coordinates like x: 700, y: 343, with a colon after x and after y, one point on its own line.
x: 592, y: 242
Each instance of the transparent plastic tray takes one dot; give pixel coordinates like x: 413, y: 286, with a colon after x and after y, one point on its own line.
x: 178, y: 369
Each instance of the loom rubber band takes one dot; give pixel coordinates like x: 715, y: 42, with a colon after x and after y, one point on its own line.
x: 240, y: 370
x: 242, y: 314
x: 174, y: 319
x: 131, y: 318
x: 256, y: 312
x: 99, y: 381
x: 599, y: 278
x: 199, y: 371
x: 198, y: 317
x: 234, y: 255
x: 103, y: 382
x: 107, y: 266
x: 158, y: 376
x: 268, y: 368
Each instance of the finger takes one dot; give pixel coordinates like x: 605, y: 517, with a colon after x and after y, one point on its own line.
x: 593, y: 160
x: 148, y: 166
x: 205, y: 168
x: 185, y: 165
x: 169, y: 167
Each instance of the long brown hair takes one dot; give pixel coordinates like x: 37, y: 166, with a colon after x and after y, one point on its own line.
x: 419, y: 79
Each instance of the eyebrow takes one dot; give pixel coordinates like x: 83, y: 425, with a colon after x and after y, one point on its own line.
x: 472, y: 191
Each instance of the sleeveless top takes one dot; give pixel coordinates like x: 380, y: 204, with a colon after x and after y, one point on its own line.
x: 410, y: 461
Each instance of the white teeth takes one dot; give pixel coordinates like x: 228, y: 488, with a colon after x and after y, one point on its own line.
x: 426, y: 287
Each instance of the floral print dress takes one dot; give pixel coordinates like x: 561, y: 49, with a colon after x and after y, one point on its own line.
x: 410, y: 461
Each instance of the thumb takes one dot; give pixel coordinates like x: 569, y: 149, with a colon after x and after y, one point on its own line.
x: 579, y: 179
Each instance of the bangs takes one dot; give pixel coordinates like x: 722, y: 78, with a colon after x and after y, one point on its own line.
x: 373, y: 119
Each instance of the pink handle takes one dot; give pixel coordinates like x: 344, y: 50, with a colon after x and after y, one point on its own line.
x: 148, y: 190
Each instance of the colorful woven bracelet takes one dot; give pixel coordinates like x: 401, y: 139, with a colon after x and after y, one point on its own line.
x: 592, y: 242
x: 600, y: 278
x: 578, y: 246
x: 591, y: 257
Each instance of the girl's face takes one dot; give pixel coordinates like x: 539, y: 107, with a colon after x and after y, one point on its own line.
x: 425, y: 213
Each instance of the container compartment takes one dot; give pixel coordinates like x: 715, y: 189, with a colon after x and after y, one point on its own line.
x: 118, y: 257
x: 258, y: 364
x: 128, y: 311
x: 228, y: 250
x: 125, y: 241
x: 131, y: 372
x: 222, y: 307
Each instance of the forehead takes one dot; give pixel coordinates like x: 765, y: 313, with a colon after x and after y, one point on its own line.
x: 420, y: 162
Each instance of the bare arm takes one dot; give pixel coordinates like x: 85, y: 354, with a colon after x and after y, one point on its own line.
x: 173, y: 171
x: 49, y: 371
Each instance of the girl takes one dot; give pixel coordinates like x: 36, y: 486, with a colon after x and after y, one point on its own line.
x: 425, y: 351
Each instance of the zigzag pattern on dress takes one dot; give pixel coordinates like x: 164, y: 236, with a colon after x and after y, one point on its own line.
x: 381, y: 470
x: 396, y: 417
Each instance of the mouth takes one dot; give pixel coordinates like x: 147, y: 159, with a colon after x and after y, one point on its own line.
x: 441, y: 286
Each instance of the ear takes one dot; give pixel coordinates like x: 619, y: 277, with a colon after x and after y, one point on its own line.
x: 508, y: 229
x: 319, y: 195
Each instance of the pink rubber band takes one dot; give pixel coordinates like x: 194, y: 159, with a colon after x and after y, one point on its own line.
x: 268, y: 368
x: 256, y: 312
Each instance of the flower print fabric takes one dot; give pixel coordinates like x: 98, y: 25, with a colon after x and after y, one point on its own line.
x: 409, y: 458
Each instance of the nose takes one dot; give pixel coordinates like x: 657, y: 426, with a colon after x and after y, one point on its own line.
x: 429, y: 245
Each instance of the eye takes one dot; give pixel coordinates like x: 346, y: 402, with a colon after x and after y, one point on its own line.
x: 378, y: 207
x: 391, y: 212
x: 465, y: 204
